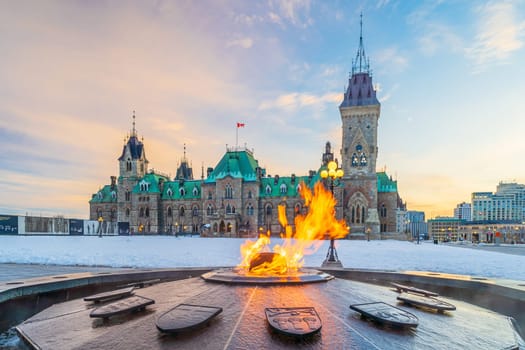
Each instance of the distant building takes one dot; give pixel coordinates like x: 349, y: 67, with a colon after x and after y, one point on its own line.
x: 444, y: 229
x: 508, y: 203
x: 493, y: 231
x: 238, y: 198
x: 463, y: 211
x: 417, y: 225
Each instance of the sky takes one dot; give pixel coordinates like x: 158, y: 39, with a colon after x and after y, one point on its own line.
x: 449, y: 76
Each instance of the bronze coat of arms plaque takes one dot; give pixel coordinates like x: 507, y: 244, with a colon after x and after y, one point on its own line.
x: 294, y: 321
x: 386, y: 314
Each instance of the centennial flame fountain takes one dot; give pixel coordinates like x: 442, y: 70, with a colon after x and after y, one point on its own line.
x: 283, y: 263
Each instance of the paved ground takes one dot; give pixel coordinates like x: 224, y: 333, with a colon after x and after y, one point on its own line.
x: 11, y: 272
x: 516, y: 249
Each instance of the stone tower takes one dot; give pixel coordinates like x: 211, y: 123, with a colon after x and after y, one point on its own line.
x: 133, y: 165
x: 360, y: 111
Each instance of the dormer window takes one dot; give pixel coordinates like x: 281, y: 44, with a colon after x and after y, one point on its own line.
x: 113, y: 195
x: 169, y: 192
x: 99, y: 195
x: 268, y: 190
x: 195, y: 191
x: 283, y: 189
x: 298, y: 188
x: 182, y: 191
x: 144, y: 186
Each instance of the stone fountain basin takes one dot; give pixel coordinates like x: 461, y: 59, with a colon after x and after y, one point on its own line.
x: 242, y: 324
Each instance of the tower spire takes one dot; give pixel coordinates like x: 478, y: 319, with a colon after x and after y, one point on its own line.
x: 133, y: 131
x: 361, y: 63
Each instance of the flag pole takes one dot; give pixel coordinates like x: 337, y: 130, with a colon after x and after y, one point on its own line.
x: 236, y: 136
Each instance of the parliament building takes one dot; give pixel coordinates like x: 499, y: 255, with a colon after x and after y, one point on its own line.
x: 236, y: 198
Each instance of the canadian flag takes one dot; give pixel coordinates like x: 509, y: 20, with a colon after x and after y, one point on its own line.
x: 240, y: 125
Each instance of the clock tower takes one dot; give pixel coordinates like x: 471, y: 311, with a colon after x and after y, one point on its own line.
x: 360, y: 111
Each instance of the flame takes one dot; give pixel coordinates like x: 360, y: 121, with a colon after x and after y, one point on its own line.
x: 317, y: 224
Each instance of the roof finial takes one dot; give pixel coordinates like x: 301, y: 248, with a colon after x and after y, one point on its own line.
x: 361, y: 64
x: 133, y: 132
x: 184, y: 159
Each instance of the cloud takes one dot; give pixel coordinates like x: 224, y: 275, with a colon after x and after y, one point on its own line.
x: 245, y: 43
x: 391, y: 57
x: 499, y: 35
x: 437, y: 37
x: 296, y: 12
x: 295, y: 101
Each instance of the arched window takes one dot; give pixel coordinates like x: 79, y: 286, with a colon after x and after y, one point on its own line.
x: 182, y: 191
x: 113, y: 195
x: 268, y: 210
x: 209, y: 209
x: 283, y: 189
x: 268, y: 190
x: 170, y: 212
x: 195, y: 211
x: 169, y: 192
x: 382, y: 210
x: 228, y: 209
x: 147, y: 212
x: 249, y: 209
x: 181, y: 211
x: 195, y: 192
x: 353, y: 216
x: 228, y: 191
x: 128, y: 165
x: 355, y: 160
x: 363, y: 161
x: 358, y: 214
x: 141, y: 212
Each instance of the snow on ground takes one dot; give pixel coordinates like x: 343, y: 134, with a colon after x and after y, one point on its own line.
x: 168, y: 251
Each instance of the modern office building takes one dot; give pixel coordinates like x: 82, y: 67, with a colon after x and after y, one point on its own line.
x: 463, y: 211
x: 507, y: 203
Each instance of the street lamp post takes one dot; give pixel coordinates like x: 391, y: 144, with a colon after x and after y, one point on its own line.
x: 333, y: 172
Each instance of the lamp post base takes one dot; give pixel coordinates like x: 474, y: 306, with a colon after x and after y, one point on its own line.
x: 329, y: 264
x: 332, y: 259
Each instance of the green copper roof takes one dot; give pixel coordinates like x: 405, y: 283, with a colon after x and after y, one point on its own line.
x: 182, y: 190
x: 149, y: 183
x: 105, y: 195
x: 237, y: 164
x: 285, y: 186
x: 385, y: 183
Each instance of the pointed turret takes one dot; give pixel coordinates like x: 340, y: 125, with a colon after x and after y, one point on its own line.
x: 133, y: 162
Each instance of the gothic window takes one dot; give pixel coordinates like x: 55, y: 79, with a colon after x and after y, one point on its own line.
x: 233, y: 209
x: 268, y: 210
x: 228, y: 192
x: 127, y: 212
x: 357, y: 214
x: 283, y: 189
x: 209, y: 210
x: 297, y: 209
x: 169, y: 192
x: 195, y: 191
x: 195, y: 211
x: 113, y: 194
x: 144, y: 186
x: 228, y: 209
x: 355, y: 161
x: 146, y: 212
x: 249, y: 194
x: 382, y: 211
x: 182, y: 191
x: 268, y: 190
x: 363, y: 215
x: 249, y: 210
x: 363, y: 160
x: 353, y: 216
x: 128, y: 165
x: 141, y: 212
x: 128, y: 196
x: 170, y: 212
x: 141, y: 167
x: 181, y: 212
